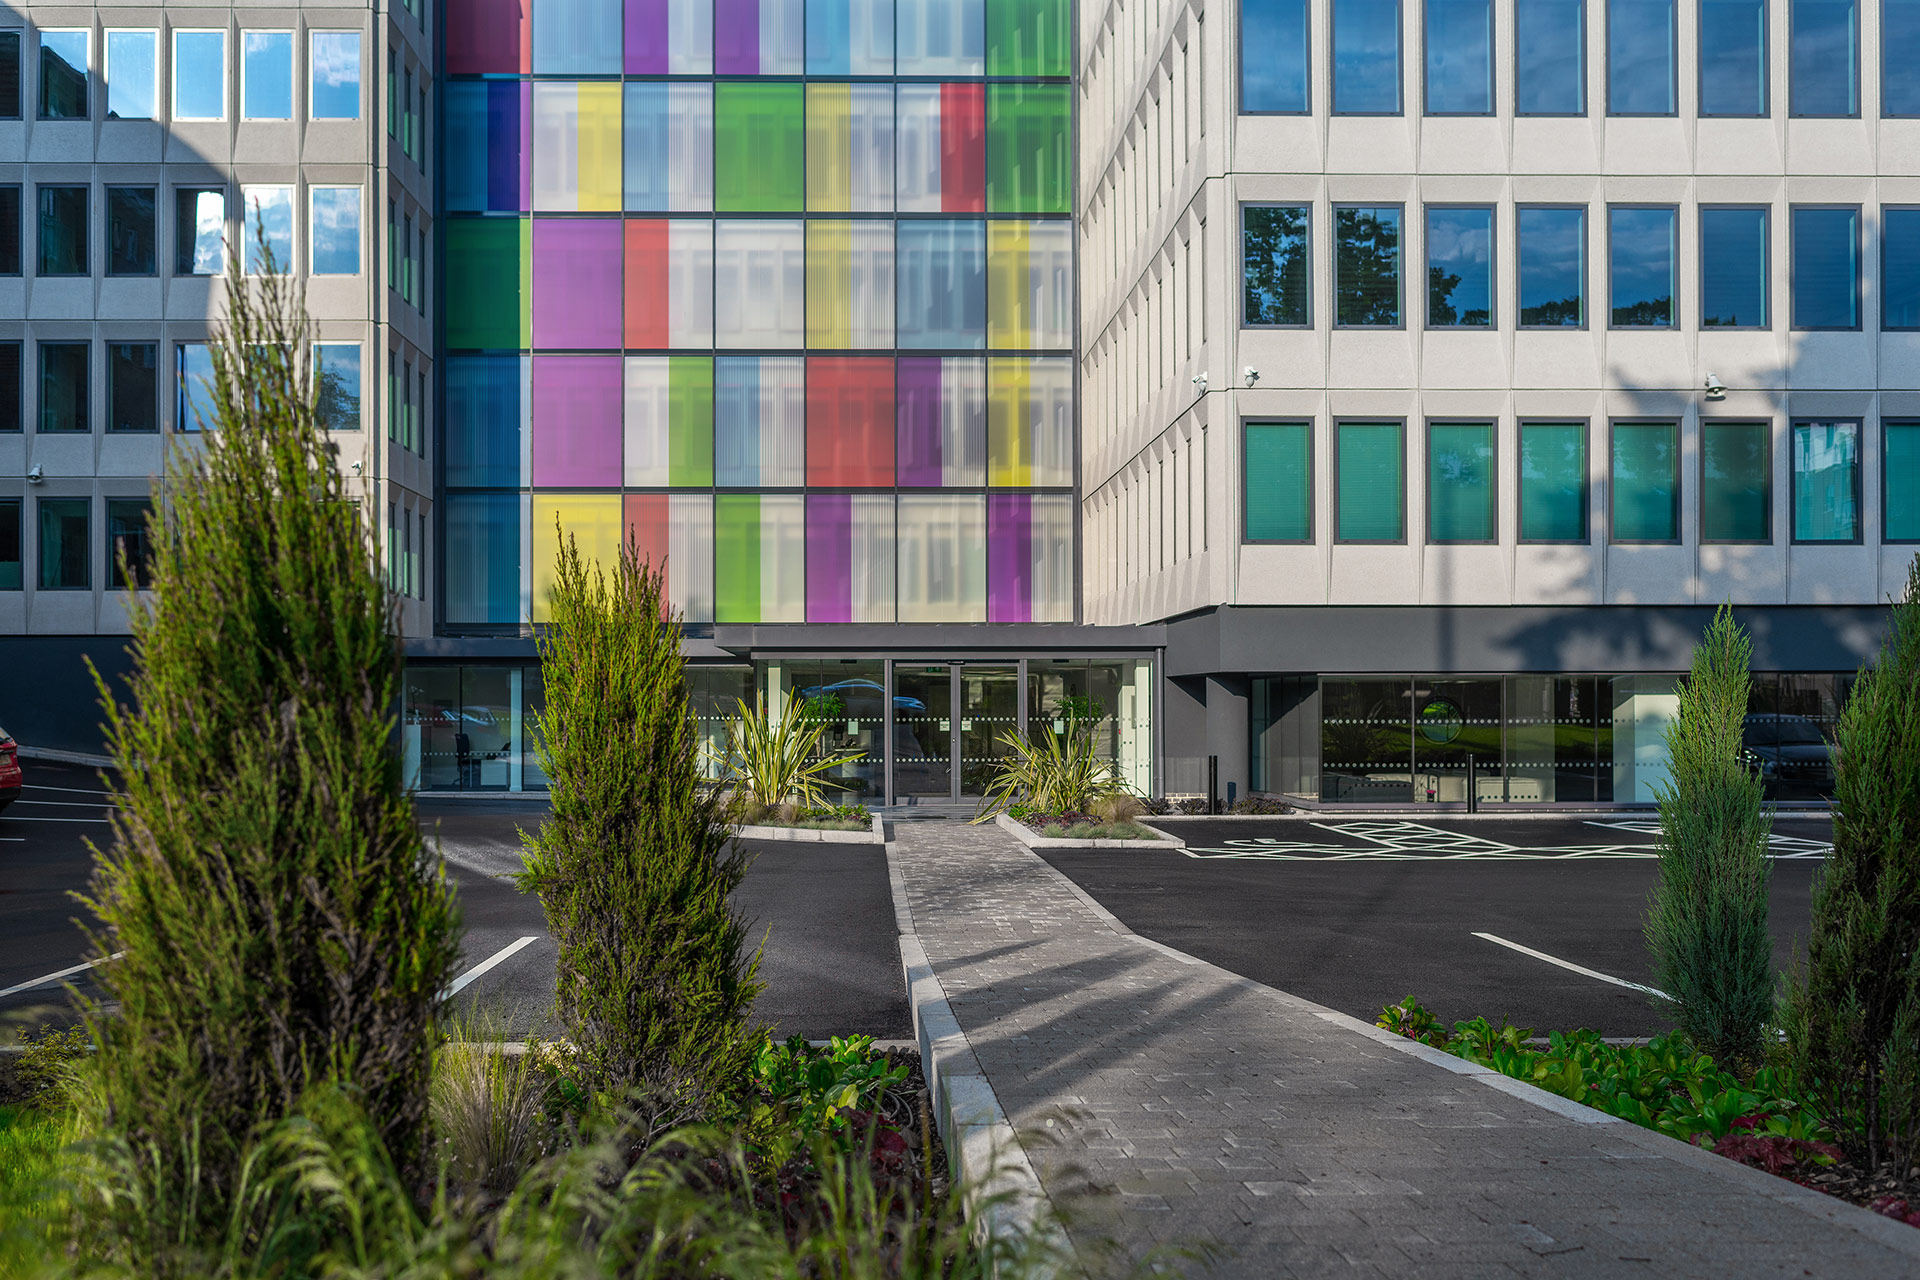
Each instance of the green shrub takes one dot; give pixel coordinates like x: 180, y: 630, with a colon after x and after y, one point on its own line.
x: 635, y: 865
x: 1707, y: 921
x: 1853, y: 1005
x: 1050, y: 772
x: 283, y: 922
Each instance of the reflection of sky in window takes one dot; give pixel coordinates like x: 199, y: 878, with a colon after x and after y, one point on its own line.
x: 1459, y: 57
x: 1900, y: 54
x: 1826, y: 267
x: 1640, y: 266
x: 1733, y: 267
x: 1273, y: 55
x: 130, y: 74
x: 67, y: 48
x: 193, y: 400
x: 268, y: 74
x: 1552, y: 265
x: 1460, y: 243
x: 271, y: 208
x: 209, y: 230
x: 336, y: 231
x: 337, y: 393
x: 1640, y: 57
x: 1900, y: 265
x: 1733, y: 57
x: 1825, y: 33
x: 199, y: 75
x: 1366, y: 56
x: 1549, y: 77
x: 335, y: 92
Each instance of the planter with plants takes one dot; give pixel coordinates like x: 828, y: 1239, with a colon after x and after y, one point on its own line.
x: 776, y: 772
x: 1053, y: 789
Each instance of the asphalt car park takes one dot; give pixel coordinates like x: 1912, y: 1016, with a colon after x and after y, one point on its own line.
x: 1535, y: 919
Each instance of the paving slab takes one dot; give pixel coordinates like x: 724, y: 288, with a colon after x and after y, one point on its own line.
x: 1167, y: 1104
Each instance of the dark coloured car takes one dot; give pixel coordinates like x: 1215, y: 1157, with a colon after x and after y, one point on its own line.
x: 9, y: 769
x: 1791, y: 755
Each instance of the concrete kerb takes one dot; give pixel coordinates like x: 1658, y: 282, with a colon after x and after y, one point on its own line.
x: 1025, y: 835
x: 814, y: 835
x: 1895, y: 1235
x: 1004, y: 1194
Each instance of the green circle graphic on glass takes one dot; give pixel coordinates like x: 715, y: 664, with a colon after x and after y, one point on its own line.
x: 1440, y: 722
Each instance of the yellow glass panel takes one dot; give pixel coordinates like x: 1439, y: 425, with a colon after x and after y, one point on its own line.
x: 830, y: 284
x: 594, y: 522
x: 1009, y: 324
x: 599, y: 143
x: 829, y: 147
x: 1009, y: 439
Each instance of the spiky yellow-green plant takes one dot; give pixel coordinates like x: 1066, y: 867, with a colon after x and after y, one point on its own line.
x: 771, y: 761
x: 1054, y: 772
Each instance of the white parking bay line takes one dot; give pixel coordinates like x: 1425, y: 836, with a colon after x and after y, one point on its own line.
x: 505, y: 953
x: 1572, y: 967
x: 83, y: 791
x: 55, y: 977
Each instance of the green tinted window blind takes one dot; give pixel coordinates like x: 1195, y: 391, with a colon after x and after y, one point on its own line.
x: 1903, y: 482
x: 1646, y: 481
x: 486, y: 282
x: 759, y: 147
x: 1029, y: 148
x: 1826, y: 481
x: 1279, y: 482
x: 1373, y: 490
x: 1734, y: 502
x: 1029, y: 38
x: 1553, y: 482
x: 1460, y: 482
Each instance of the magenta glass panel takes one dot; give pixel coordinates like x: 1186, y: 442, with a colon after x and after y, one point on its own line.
x: 1009, y: 558
x: 576, y: 283
x: 576, y: 421
x: 917, y: 384
x: 830, y: 557
x: 646, y: 37
x: 736, y: 38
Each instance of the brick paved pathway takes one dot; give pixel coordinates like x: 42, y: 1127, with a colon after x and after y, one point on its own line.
x: 1190, y: 1107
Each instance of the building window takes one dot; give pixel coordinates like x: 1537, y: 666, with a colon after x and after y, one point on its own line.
x: 336, y: 389
x: 9, y: 75
x: 1902, y: 481
x: 63, y: 544
x: 1553, y: 482
x: 199, y: 75
x: 1370, y: 482
x: 10, y: 387
x: 1275, y: 54
x: 1274, y: 264
x: 1733, y: 57
x: 1459, y: 266
x: 199, y: 230
x: 64, y: 383
x: 133, y: 386
x: 1461, y: 482
x: 1366, y: 57
x: 266, y: 75
x: 333, y: 90
x: 333, y: 230
x: 407, y: 415
x: 1826, y: 482
x: 1899, y: 54
x: 130, y: 232
x: 1734, y: 266
x: 1640, y: 270
x: 1646, y: 482
x: 1366, y: 266
x: 1459, y: 50
x: 1553, y: 266
x: 942, y: 270
x: 10, y: 255
x: 129, y: 552
x: 133, y: 75
x: 10, y: 558
x: 1550, y: 57
x: 269, y: 218
x: 1640, y: 59
x: 1277, y: 493
x: 1826, y: 267
x: 1736, y: 482
x: 407, y: 123
x: 1900, y: 268
x: 63, y: 74
x: 1823, y: 62
x: 193, y: 400
x: 62, y: 233
x: 393, y: 93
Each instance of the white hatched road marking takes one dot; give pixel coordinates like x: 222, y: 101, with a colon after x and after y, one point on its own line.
x: 505, y: 953
x: 1390, y: 840
x: 1572, y: 967
x: 64, y: 804
x: 55, y: 977
x: 79, y: 791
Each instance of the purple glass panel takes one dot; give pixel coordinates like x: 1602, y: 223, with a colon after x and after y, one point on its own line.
x: 646, y: 37
x: 1009, y: 557
x: 830, y: 557
x: 509, y: 124
x: 576, y: 282
x: 736, y: 37
x: 576, y: 421
x: 917, y: 384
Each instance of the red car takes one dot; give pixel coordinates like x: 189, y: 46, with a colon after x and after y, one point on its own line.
x: 9, y: 769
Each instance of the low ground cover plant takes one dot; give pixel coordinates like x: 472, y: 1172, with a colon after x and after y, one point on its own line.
x: 1076, y: 825
x: 822, y: 817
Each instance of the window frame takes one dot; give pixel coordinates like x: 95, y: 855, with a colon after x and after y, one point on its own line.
x: 1880, y: 38
x: 40, y: 348
x: 106, y: 237
x: 1493, y: 265
x: 1313, y: 528
x: 1586, y: 268
x: 1886, y: 483
x: 143, y: 580
x: 39, y: 548
x: 360, y: 77
x: 360, y: 234
x: 1586, y: 70
x: 184, y: 422
x: 17, y: 504
x: 1766, y: 274
x: 1586, y: 481
x: 1885, y: 325
x: 84, y: 222
x: 106, y: 61
x: 315, y: 346
x: 173, y: 76
x: 107, y: 354
x: 1493, y: 78
x: 1308, y: 207
x: 1492, y: 424
x: 1240, y: 63
x: 1679, y: 480
x: 1766, y: 66
x: 1859, y: 484
x: 1673, y: 66
x: 1859, y: 263
x: 226, y: 220
x: 293, y: 73
x: 249, y: 236
x: 39, y: 96
x: 20, y: 229
x: 1333, y: 267
x: 1673, y: 271
x: 1859, y: 89
x: 1700, y: 470
x: 1399, y: 66
x: 16, y: 110
x: 1333, y: 468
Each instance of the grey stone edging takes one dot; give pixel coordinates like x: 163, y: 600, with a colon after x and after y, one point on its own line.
x: 812, y: 835
x: 1884, y: 1231
x: 1025, y: 835
x: 982, y: 1147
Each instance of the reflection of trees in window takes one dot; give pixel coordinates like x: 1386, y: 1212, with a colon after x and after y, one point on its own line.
x: 1274, y: 258
x: 1560, y: 312
x: 1367, y: 266
x: 1650, y: 313
x: 336, y: 400
x: 1440, y: 309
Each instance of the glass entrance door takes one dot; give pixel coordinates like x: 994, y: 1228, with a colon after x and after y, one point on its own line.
x: 1455, y: 721
x: 989, y: 709
x: 922, y: 732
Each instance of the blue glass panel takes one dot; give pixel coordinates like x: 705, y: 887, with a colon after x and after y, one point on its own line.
x: 267, y: 75
x: 1550, y: 57
x: 1459, y: 267
x: 484, y: 413
x: 483, y: 579
x: 577, y: 37
x: 1459, y: 57
x: 1900, y: 268
x: 1553, y: 267
x: 335, y: 77
x: 1899, y: 55
x: 1640, y: 253
x: 1640, y: 64
x: 1733, y: 268
x: 1366, y: 57
x: 644, y: 136
x: 464, y: 126
x: 1826, y: 268
x: 1733, y: 57
x: 1273, y: 56
x: 942, y: 272
x: 1823, y: 69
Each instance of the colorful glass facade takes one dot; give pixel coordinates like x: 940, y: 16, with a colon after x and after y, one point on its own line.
x: 784, y: 287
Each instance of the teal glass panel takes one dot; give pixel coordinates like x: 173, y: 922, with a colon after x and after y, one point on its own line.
x: 1371, y: 464
x: 1903, y: 482
x: 1734, y: 498
x: 1646, y: 482
x: 1279, y: 482
x: 1553, y: 482
x: 1460, y: 482
x: 1826, y: 481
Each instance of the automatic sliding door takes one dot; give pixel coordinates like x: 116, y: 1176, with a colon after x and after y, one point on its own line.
x: 922, y: 731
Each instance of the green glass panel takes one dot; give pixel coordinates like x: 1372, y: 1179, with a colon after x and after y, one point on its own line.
x: 1734, y: 502
x: 1373, y: 487
x: 1029, y: 148
x: 759, y: 147
x: 1279, y: 485
x: 1646, y: 480
x: 1826, y: 481
x: 1903, y: 482
x: 1460, y: 482
x: 736, y: 557
x: 1553, y: 482
x: 1029, y: 37
x: 690, y: 421
x: 486, y: 294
